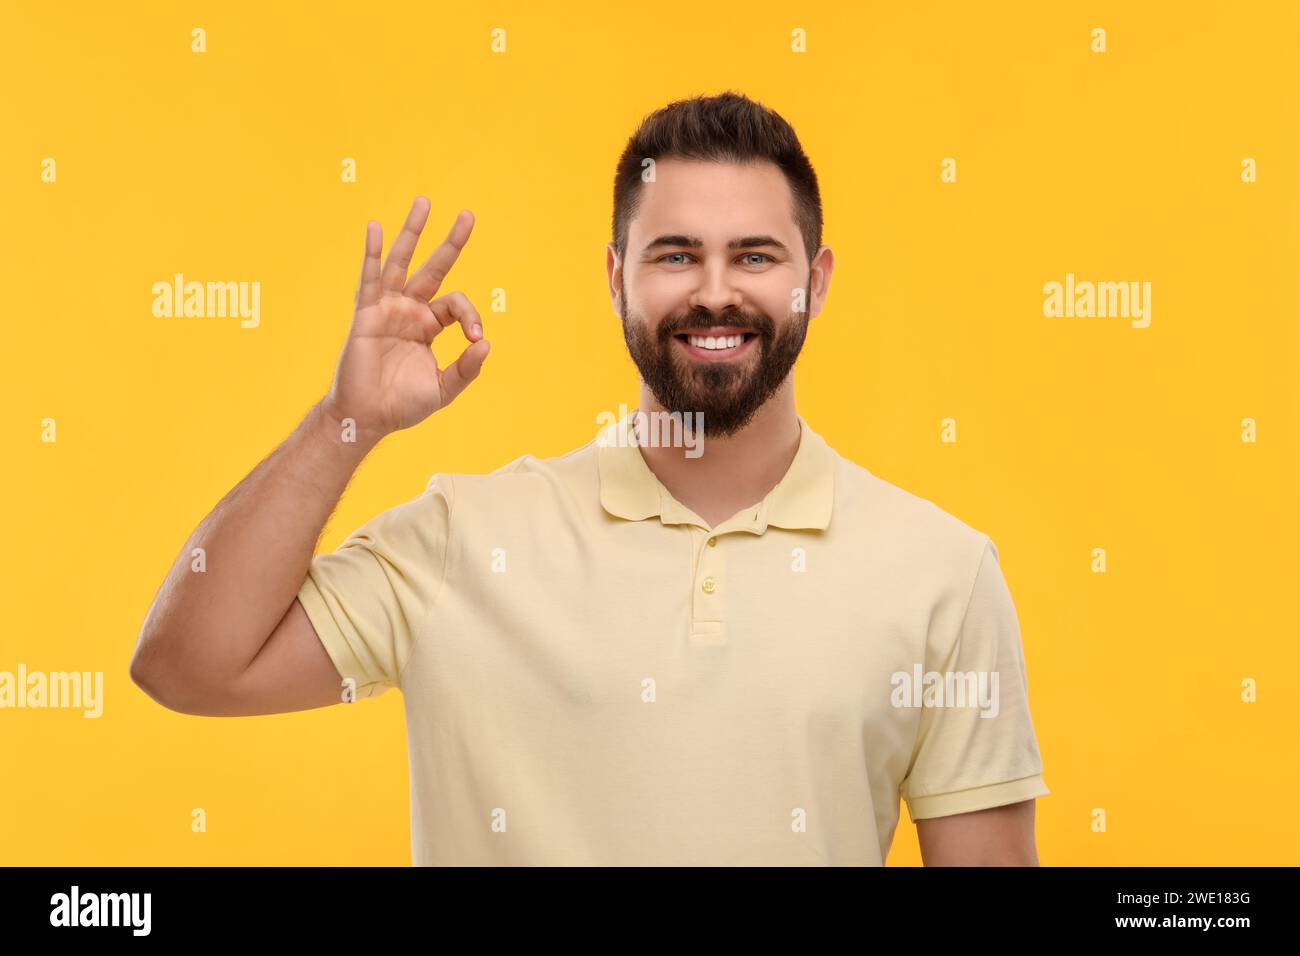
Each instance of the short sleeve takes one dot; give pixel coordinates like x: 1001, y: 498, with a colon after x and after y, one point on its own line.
x: 976, y: 748
x: 370, y: 600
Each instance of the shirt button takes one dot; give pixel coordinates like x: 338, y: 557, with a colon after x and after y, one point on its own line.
x: 713, y: 542
x: 709, y: 585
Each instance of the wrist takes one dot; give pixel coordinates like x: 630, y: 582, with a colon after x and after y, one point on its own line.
x: 341, y: 431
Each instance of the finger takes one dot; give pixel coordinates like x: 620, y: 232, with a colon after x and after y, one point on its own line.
x: 453, y: 379
x: 368, y: 287
x: 399, y: 256
x: 456, y: 307
x: 426, y: 280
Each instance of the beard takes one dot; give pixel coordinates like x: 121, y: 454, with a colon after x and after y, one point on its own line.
x: 726, y: 394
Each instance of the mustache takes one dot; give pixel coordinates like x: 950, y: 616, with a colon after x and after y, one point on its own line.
x: 759, y: 324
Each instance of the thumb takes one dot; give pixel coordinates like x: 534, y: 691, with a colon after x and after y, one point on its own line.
x: 461, y: 372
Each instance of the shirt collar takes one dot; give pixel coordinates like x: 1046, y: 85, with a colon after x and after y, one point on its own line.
x: 800, y: 500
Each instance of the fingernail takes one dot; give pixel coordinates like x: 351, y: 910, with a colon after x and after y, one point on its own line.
x: 478, y: 329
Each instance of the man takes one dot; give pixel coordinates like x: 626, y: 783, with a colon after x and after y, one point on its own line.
x: 731, y: 647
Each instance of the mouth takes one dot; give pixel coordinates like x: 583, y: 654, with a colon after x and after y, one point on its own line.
x: 716, y: 343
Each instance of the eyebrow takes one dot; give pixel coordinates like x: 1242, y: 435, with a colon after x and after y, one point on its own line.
x: 694, y: 242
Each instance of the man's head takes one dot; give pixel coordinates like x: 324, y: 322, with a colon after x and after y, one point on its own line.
x: 717, y: 231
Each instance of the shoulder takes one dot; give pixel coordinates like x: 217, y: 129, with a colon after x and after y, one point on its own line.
x: 906, y: 526
x: 525, y: 480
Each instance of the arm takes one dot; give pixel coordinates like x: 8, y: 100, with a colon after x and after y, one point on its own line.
x: 998, y: 836
x: 205, y: 628
x: 232, y: 639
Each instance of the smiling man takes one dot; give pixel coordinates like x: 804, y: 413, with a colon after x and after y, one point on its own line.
x: 630, y: 654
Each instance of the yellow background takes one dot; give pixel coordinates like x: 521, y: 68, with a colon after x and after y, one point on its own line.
x: 1073, y: 433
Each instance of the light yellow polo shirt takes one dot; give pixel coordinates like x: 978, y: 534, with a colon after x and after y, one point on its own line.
x: 594, y: 676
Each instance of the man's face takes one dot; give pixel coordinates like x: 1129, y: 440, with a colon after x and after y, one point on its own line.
x: 683, y: 282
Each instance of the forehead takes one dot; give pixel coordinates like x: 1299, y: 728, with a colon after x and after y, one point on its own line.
x: 714, y: 200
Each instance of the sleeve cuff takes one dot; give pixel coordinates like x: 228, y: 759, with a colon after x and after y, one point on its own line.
x: 976, y: 798
x: 336, y: 646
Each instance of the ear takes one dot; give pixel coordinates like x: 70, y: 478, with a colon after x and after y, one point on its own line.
x: 819, y: 280
x: 614, y: 273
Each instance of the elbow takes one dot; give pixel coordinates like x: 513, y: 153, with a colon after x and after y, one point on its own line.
x: 159, y: 682
x: 145, y: 675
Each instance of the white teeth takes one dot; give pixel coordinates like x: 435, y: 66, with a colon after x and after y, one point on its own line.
x: 716, y: 342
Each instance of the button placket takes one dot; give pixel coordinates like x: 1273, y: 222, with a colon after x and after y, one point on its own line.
x: 709, y: 590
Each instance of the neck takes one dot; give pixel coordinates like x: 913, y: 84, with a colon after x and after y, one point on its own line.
x: 734, y: 472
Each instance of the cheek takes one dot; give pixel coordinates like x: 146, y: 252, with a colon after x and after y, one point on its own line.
x: 778, y: 300
x: 659, y: 295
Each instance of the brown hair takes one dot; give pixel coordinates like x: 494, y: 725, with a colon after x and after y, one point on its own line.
x: 726, y: 128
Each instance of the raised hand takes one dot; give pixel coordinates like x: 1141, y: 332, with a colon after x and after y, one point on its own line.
x: 387, y: 377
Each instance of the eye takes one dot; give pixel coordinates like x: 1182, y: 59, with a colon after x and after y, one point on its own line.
x: 763, y: 256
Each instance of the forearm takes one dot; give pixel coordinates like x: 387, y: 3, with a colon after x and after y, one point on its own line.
x: 241, y: 569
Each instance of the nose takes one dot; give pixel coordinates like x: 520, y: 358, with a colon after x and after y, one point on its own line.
x: 715, y: 292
